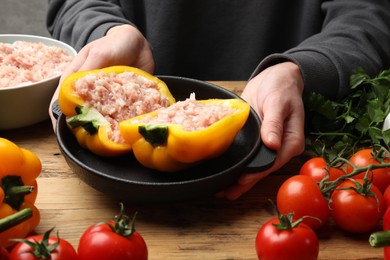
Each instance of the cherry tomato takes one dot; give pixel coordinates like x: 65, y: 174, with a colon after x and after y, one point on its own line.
x: 386, y: 226
x: 297, y: 243
x: 386, y: 252
x: 64, y: 250
x: 354, y: 212
x: 316, y: 169
x: 301, y: 195
x: 364, y: 158
x: 101, y: 242
x: 381, y: 238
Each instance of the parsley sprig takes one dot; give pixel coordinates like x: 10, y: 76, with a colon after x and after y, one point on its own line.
x: 351, y: 123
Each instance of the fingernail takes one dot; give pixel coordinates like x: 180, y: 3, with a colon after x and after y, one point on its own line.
x: 272, y: 138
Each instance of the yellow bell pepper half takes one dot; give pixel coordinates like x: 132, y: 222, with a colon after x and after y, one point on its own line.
x: 169, y: 147
x: 88, y: 126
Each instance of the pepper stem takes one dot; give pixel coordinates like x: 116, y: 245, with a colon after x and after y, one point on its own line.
x: 87, y: 117
x: 19, y: 191
x: 380, y: 238
x: 15, y: 190
x: 15, y: 219
x: 154, y: 134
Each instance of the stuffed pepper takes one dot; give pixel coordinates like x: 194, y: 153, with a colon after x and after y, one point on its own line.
x: 95, y: 101
x: 187, y: 132
x: 19, y: 169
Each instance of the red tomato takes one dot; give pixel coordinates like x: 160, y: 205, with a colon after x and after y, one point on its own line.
x: 316, y: 169
x: 386, y: 252
x: 301, y: 195
x: 101, y: 242
x: 386, y: 226
x: 64, y: 250
x: 354, y: 212
x: 380, y: 239
x: 364, y: 158
x: 297, y: 243
x: 386, y: 197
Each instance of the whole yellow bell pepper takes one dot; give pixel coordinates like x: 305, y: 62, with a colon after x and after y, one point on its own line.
x: 170, y: 147
x: 90, y: 127
x: 19, y: 169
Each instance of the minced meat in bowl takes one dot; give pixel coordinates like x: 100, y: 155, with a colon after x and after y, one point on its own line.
x: 23, y: 62
x: 29, y: 80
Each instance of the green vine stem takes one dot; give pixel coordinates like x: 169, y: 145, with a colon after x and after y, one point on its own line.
x: 328, y: 186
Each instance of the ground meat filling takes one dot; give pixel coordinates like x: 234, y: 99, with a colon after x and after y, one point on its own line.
x: 190, y: 114
x: 26, y: 62
x: 120, y: 96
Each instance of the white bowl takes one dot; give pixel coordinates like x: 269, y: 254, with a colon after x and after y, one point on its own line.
x: 28, y: 104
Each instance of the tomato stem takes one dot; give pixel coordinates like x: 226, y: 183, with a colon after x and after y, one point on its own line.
x: 380, y: 238
x: 15, y: 219
x: 123, y: 225
x: 41, y: 249
x: 285, y: 221
x: 329, y: 186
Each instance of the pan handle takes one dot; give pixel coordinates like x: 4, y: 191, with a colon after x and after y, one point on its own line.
x: 262, y: 161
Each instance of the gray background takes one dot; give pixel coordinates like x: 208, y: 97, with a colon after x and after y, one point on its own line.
x: 23, y: 17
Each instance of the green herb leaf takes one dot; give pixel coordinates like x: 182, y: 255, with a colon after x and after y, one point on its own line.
x: 354, y: 121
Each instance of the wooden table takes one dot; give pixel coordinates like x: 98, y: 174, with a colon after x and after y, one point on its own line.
x: 205, y: 229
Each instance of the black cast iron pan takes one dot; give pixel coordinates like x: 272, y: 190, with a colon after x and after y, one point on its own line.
x: 123, y: 178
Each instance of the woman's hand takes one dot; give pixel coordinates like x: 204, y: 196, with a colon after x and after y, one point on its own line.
x: 122, y: 45
x: 276, y: 95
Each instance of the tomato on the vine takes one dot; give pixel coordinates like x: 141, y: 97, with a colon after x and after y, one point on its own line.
x: 301, y: 195
x: 363, y: 158
x: 382, y: 238
x: 355, y: 207
x: 386, y: 226
x: 116, y: 239
x: 316, y: 168
x: 43, y: 247
x: 280, y: 238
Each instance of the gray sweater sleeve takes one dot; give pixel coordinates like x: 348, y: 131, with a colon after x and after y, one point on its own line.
x: 342, y: 36
x: 79, y: 22
x: 354, y: 34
